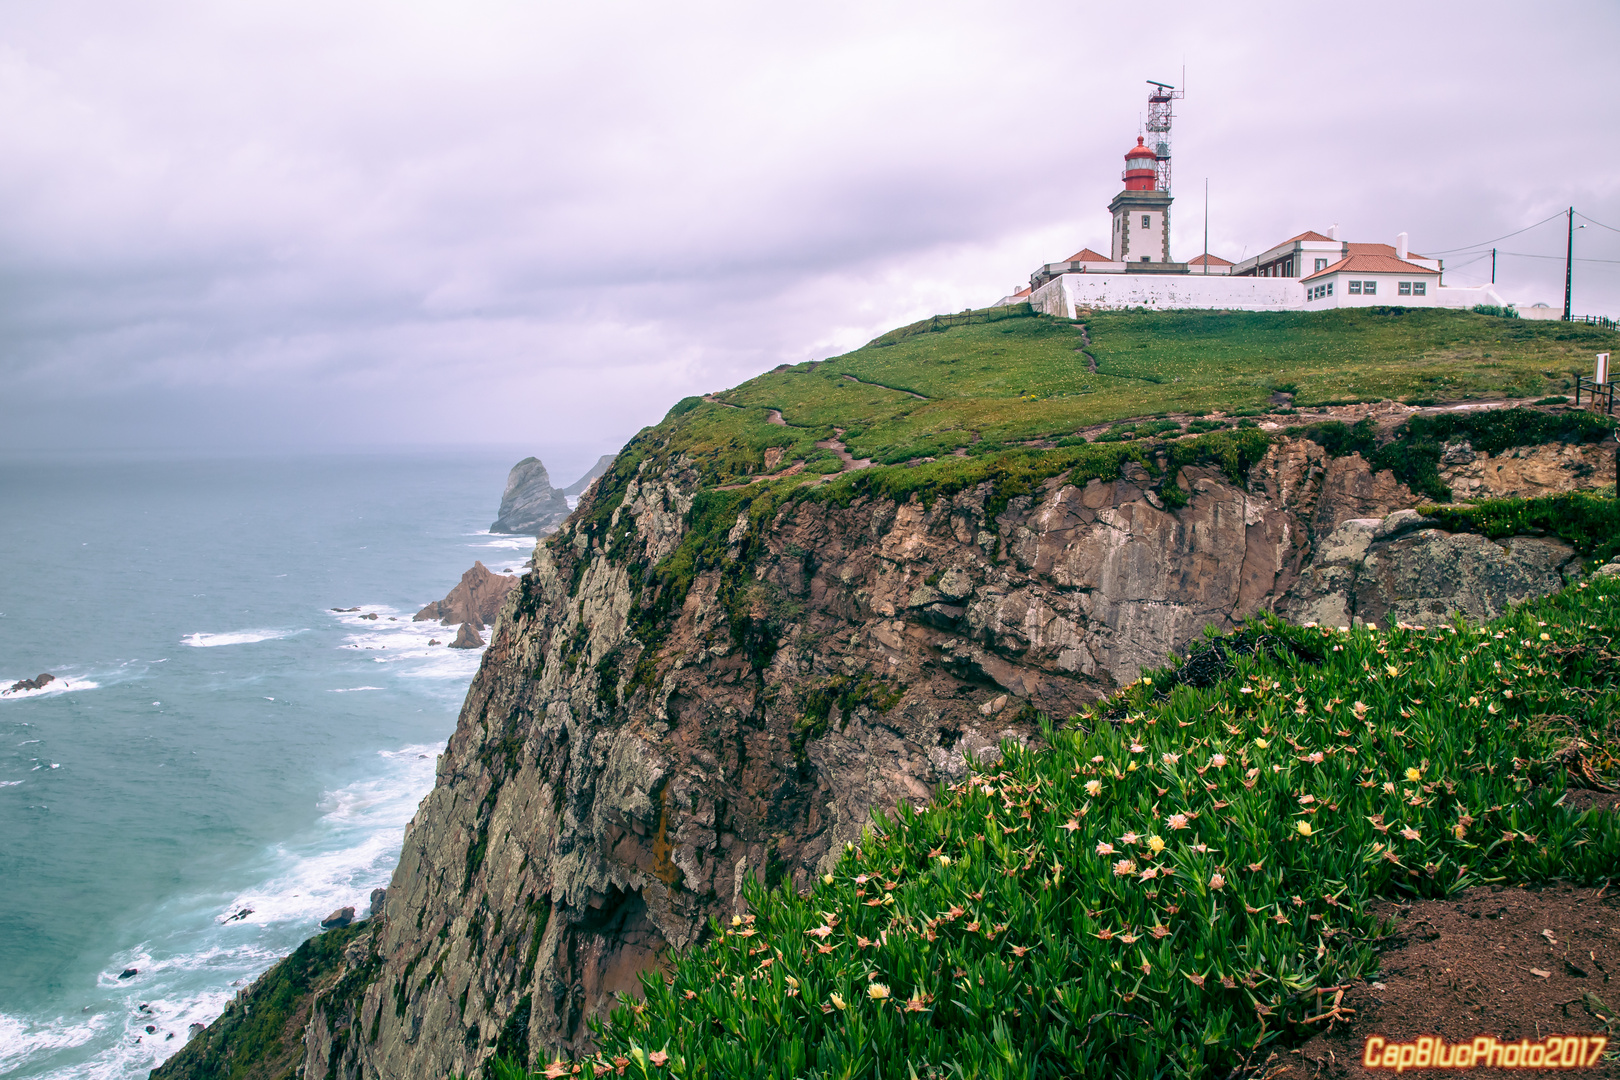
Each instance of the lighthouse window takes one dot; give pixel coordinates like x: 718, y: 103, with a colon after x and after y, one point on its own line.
x: 1420, y: 288
x: 1405, y: 288
x: 1355, y: 288
x: 1147, y: 221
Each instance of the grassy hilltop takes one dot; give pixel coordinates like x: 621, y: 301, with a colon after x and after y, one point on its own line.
x: 1009, y: 376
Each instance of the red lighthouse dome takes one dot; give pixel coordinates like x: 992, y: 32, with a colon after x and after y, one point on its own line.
x: 1141, y: 168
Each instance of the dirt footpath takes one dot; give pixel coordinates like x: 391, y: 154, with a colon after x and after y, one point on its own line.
x: 1514, y: 964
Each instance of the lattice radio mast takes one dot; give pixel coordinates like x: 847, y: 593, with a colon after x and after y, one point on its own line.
x: 1158, y: 126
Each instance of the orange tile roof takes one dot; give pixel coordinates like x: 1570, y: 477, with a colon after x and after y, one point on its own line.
x: 1308, y: 234
x: 1379, y: 249
x: 1023, y: 292
x: 1213, y: 260
x: 1372, y: 264
x: 1087, y: 255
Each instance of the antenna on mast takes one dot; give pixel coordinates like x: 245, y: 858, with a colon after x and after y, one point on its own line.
x: 1160, y: 100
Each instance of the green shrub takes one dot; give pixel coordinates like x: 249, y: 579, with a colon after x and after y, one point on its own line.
x: 1588, y: 522
x: 1164, y: 892
x: 1500, y: 311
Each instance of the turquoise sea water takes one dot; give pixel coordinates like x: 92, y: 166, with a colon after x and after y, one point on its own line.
x: 218, y: 739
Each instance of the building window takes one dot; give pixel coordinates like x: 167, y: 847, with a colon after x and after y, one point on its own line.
x: 1355, y: 288
x: 1369, y: 288
x: 1420, y: 288
x: 1146, y: 259
x: 1321, y: 264
x: 1405, y: 288
x: 1330, y: 288
x: 1147, y: 221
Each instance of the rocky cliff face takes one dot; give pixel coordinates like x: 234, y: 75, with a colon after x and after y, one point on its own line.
x: 601, y: 799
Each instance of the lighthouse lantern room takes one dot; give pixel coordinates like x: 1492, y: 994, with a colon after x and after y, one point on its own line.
x: 1141, y: 237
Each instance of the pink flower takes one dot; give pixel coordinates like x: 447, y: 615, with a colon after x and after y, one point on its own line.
x: 1216, y: 881
x: 1176, y: 821
x: 1124, y: 868
x: 1104, y: 848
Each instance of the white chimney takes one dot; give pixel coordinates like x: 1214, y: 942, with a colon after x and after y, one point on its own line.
x: 1333, y: 231
x: 1400, y: 245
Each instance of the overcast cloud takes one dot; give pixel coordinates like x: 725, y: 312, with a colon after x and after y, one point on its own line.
x: 237, y: 226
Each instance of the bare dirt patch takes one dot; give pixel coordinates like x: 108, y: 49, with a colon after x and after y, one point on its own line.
x: 1510, y: 963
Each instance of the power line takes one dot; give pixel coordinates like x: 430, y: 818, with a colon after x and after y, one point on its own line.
x: 1559, y: 258
x: 1596, y: 222
x: 1483, y: 243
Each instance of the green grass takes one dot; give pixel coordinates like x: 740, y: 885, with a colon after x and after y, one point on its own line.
x: 254, y: 1040
x: 1167, y: 885
x: 1023, y: 378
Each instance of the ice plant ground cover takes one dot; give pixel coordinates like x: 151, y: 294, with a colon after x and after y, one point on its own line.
x: 1173, y: 884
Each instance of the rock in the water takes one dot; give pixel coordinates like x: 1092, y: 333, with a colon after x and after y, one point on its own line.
x: 372, y: 615
x: 379, y: 897
x: 36, y: 683
x: 475, y: 600
x: 578, y: 486
x: 340, y: 918
x: 530, y: 504
x: 467, y: 638
x: 129, y: 973
x: 345, y: 609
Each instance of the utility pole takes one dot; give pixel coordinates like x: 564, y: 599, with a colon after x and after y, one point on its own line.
x: 1206, y: 224
x: 1493, y: 266
x: 1569, y: 261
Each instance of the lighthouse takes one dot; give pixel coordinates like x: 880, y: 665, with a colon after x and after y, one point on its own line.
x: 1141, y: 238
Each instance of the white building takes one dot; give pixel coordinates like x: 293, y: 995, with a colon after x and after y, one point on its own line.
x: 1308, y: 272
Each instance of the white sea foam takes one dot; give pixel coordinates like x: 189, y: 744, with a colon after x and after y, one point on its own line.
x: 353, y: 689
x: 21, y: 1040
x: 510, y: 543
x: 237, y: 637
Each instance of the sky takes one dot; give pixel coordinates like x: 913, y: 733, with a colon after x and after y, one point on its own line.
x: 234, y: 227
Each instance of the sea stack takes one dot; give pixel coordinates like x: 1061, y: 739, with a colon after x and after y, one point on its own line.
x: 530, y: 505
x: 475, y: 600
x: 468, y: 638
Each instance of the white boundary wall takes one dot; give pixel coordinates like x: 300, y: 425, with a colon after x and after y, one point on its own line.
x: 1068, y: 293
x: 1063, y: 296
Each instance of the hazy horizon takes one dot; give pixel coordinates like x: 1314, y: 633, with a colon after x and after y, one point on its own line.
x: 272, y: 229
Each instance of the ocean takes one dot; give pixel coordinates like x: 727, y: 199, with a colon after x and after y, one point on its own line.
x: 223, y: 759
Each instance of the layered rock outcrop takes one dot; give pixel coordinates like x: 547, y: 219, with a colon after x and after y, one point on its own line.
x: 615, y: 777
x: 475, y: 600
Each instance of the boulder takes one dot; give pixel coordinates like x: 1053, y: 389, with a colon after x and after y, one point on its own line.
x: 530, y: 505
x: 129, y: 973
x: 379, y: 897
x: 340, y: 918
x: 476, y: 599
x: 467, y: 638
x: 372, y: 615
x: 1401, y: 569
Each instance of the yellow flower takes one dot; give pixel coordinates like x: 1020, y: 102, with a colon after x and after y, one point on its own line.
x: 877, y: 991
x: 1546, y: 637
x: 1155, y: 844
x: 1304, y: 828
x: 791, y: 981
x: 1261, y: 743
x: 1131, y: 767
x: 839, y: 1003
x: 1459, y: 830
x: 1413, y: 776
x: 1093, y: 788
x: 1392, y: 669
x: 827, y: 879
x: 944, y: 860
